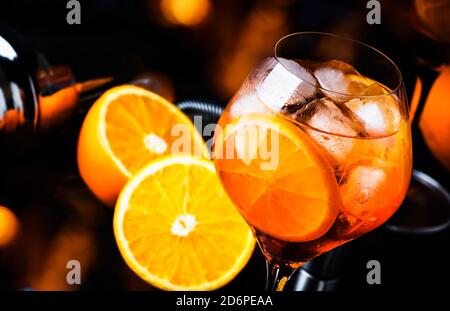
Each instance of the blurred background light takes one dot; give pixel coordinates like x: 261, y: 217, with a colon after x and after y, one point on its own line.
x: 186, y: 12
x: 256, y: 39
x: 9, y: 226
x: 69, y: 244
x: 157, y: 82
x: 434, y: 14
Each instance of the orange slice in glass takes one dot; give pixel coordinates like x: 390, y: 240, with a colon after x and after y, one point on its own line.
x: 274, y: 173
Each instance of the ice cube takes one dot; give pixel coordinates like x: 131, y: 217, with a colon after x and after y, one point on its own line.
x: 339, y: 80
x: 246, y: 104
x: 245, y: 101
x: 287, y: 83
x: 374, y: 89
x: 255, y: 77
x: 324, y: 115
x: 380, y: 114
x: 362, y: 191
x: 262, y: 70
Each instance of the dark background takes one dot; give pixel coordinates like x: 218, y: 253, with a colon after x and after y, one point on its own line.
x: 61, y: 219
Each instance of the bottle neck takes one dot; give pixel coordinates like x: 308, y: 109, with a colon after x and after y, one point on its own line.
x: 34, y: 94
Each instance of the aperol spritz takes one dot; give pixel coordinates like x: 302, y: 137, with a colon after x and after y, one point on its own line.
x: 313, y: 152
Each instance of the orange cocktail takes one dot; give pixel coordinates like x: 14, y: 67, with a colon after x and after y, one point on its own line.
x: 313, y: 154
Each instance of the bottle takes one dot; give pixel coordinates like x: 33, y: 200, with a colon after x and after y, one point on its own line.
x: 33, y: 94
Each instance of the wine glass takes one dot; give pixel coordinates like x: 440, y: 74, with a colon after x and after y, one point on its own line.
x: 315, y: 148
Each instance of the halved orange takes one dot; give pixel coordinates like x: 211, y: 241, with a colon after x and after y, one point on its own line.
x: 274, y: 173
x: 125, y: 129
x: 177, y: 229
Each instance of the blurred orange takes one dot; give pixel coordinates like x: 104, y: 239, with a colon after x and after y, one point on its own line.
x: 9, y: 226
x: 435, y: 118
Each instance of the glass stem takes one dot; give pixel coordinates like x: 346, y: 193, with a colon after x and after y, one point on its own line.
x: 277, y: 275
